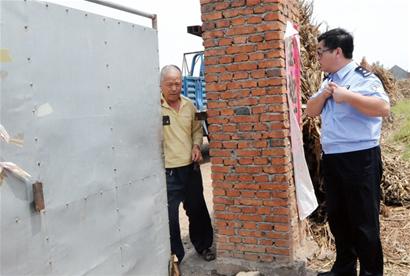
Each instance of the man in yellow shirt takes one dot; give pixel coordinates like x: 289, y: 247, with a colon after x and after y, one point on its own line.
x: 182, y: 140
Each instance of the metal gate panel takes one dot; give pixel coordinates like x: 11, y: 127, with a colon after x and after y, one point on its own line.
x: 81, y: 92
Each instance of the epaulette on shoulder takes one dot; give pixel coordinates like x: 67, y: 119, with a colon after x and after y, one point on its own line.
x: 362, y: 71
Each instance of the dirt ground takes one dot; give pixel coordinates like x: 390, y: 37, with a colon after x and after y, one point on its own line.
x: 395, y: 231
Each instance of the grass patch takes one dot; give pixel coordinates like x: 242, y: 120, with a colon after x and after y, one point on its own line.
x: 401, y: 133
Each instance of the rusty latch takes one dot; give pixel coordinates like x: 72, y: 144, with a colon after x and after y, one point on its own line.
x: 38, y: 196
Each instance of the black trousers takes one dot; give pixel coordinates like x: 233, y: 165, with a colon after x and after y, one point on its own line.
x: 352, y: 186
x: 184, y: 184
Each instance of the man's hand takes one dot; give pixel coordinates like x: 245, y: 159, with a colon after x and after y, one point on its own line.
x: 196, y: 154
x: 327, y: 91
x: 340, y: 93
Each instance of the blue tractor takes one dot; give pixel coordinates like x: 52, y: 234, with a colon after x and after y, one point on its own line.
x: 193, y: 84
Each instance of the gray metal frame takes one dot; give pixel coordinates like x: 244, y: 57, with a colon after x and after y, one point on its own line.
x: 153, y: 17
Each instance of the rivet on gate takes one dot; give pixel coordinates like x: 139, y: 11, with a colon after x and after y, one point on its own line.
x: 66, y: 10
x: 31, y: 84
x: 17, y: 220
x: 26, y: 27
x: 35, y: 139
x: 38, y: 164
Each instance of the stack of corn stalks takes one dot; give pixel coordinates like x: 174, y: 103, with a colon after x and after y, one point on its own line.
x: 396, y: 180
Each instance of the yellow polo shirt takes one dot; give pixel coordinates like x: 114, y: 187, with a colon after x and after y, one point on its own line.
x: 181, y: 132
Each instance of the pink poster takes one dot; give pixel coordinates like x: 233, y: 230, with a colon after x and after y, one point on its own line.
x: 293, y: 69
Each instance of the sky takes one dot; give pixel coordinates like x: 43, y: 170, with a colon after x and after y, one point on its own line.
x: 381, y: 28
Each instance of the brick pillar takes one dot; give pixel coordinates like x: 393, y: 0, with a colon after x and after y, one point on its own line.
x: 256, y: 223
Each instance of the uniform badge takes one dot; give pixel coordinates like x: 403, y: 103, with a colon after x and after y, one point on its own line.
x: 362, y: 71
x: 165, y: 120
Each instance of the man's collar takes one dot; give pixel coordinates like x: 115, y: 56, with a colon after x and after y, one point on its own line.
x: 342, y: 72
x: 165, y: 104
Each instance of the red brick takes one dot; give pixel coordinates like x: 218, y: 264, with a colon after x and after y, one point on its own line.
x: 240, y: 39
x: 225, y: 42
x: 230, y: 13
x: 251, y: 257
x: 223, y: 23
x: 273, y: 35
x: 235, y: 239
x: 256, y: 38
x: 254, y: 20
x: 247, y: 186
x: 241, y: 30
x: 261, y: 161
x: 232, y: 193
x: 278, y: 251
x: 223, y: 200
x: 248, y: 169
x: 245, y: 161
x: 258, y: 74
x: 212, y: 16
x: 241, y: 57
x: 256, y: 56
x: 274, y: 16
x: 219, y: 207
x: 238, y: 21
x: 237, y: 3
x: 265, y: 226
x: 221, y: 6
x: 275, y: 203
x: 250, y: 248
x: 277, y: 219
x: 253, y: 2
x: 219, y: 192
x: 250, y: 218
x: 221, y: 169
x: 240, y: 75
x: 240, y: 49
x: 249, y: 240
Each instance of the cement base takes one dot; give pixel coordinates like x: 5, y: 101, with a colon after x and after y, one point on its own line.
x: 231, y: 266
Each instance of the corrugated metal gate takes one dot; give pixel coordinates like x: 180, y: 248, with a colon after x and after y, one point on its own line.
x: 81, y: 93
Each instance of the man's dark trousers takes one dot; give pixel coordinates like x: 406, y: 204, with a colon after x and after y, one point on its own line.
x: 184, y: 184
x: 352, y: 184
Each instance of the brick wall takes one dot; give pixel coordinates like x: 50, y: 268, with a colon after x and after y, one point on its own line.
x: 255, y: 217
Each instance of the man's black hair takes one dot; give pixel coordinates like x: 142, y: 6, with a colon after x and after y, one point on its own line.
x: 338, y: 38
